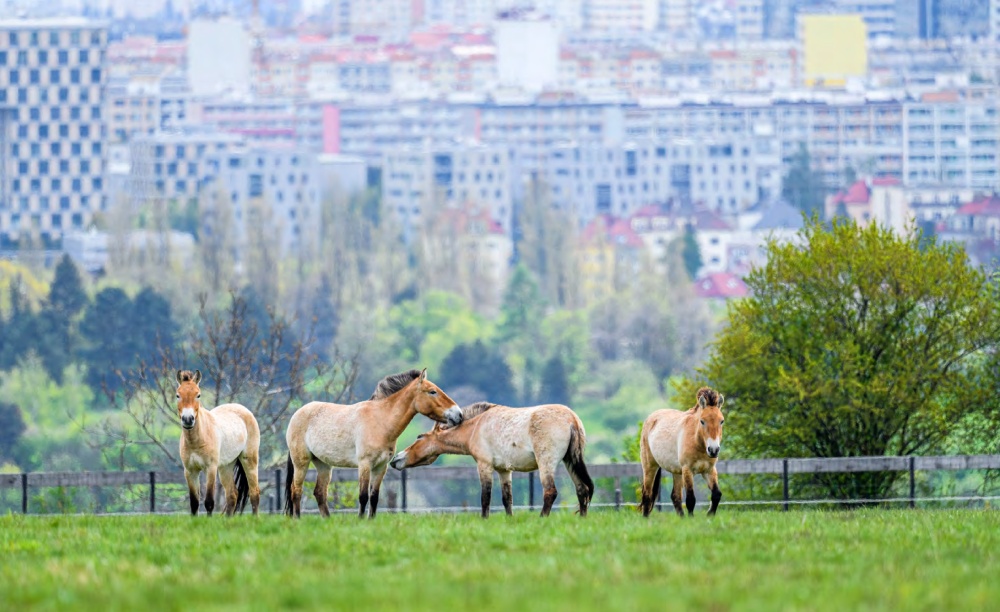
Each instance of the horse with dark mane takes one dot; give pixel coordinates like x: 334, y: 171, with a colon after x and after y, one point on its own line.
x: 683, y: 443
x: 361, y: 435
x: 511, y: 440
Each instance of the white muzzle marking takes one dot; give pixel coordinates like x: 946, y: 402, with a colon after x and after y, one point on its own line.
x: 453, y: 415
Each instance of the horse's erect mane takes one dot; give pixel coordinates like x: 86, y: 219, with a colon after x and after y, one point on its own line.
x: 186, y: 375
x: 474, y: 410
x: 711, y: 397
x: 393, y: 383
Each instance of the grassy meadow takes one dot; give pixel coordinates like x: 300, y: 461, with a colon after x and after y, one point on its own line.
x: 801, y: 560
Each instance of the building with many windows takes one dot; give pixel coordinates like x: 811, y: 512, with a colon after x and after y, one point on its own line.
x: 51, y: 83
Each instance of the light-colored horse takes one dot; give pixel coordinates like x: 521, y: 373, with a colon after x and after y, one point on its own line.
x: 361, y: 435
x: 684, y: 444
x: 225, y: 439
x: 511, y: 440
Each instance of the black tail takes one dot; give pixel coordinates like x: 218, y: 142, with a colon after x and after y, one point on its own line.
x: 656, y: 489
x: 242, y: 487
x: 574, y: 459
x: 289, y: 473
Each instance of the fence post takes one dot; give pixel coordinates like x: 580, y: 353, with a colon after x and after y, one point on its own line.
x: 277, y: 488
x: 531, y: 490
x: 270, y: 503
x: 152, y: 492
x: 402, y: 490
x: 913, y: 483
x: 24, y: 493
x: 784, y: 483
x: 618, y: 493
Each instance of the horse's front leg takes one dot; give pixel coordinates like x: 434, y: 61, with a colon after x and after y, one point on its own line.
x: 712, y: 479
x: 210, y: 475
x: 377, y: 475
x: 486, y: 482
x: 364, y: 482
x: 688, y: 477
x: 192, y: 481
x: 507, y: 491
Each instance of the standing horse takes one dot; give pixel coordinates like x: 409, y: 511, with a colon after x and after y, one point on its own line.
x: 361, y: 435
x: 511, y: 440
x: 225, y: 439
x: 684, y: 444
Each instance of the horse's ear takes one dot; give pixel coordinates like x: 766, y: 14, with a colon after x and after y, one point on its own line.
x: 197, y: 376
x: 701, y: 400
x: 179, y: 372
x: 423, y: 376
x: 722, y: 400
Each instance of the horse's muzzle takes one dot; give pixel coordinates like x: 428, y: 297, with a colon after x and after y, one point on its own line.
x: 187, y: 422
x: 713, y: 451
x: 454, y: 416
x: 399, y: 461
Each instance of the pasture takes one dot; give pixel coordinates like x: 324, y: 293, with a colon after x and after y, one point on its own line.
x: 740, y: 560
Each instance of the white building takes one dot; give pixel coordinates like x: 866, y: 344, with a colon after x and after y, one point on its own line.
x: 527, y: 52
x: 417, y: 178
x: 218, y: 57
x: 749, y: 20
x: 52, y: 145
x: 621, y: 15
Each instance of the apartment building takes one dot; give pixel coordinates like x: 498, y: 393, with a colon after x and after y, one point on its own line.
x: 51, y: 84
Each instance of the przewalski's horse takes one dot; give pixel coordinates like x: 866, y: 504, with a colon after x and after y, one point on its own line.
x: 511, y: 440
x: 361, y: 435
x: 225, y: 439
x: 684, y: 444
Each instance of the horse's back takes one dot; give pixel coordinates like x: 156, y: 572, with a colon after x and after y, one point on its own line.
x: 520, y: 438
x: 662, y: 433
x: 237, y: 430
x: 326, y: 431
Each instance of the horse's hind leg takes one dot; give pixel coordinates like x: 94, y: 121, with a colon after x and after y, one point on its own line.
x: 676, y: 496
x: 507, y: 491
x: 323, y: 474
x: 688, y: 477
x: 364, y: 487
x: 376, y: 484
x: 249, y: 463
x: 227, y: 475
x: 193, y: 490
x: 298, y: 480
x: 547, y: 475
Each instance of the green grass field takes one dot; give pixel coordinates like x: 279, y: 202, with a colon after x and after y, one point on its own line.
x: 857, y: 560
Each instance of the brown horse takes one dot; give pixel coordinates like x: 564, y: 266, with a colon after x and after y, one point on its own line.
x: 511, y: 440
x: 684, y: 444
x: 361, y: 435
x: 225, y: 439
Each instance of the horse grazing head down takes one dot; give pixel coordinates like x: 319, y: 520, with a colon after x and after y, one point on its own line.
x: 424, y: 451
x: 188, y: 396
x: 425, y: 397
x: 709, y: 410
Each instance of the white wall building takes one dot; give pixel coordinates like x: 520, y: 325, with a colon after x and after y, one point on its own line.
x: 218, y: 57
x: 527, y: 52
x: 53, y: 150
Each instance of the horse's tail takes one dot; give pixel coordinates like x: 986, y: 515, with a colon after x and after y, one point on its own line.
x: 656, y: 488
x: 242, y: 486
x: 574, y: 457
x: 289, y: 473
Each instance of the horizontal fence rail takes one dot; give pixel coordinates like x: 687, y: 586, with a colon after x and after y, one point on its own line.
x: 273, y: 479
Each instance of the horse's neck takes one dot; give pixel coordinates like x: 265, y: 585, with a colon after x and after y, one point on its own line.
x: 396, y: 413
x: 458, y: 440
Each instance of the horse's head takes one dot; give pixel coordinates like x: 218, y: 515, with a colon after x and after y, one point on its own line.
x: 432, y: 402
x: 710, y: 414
x: 188, y: 397
x: 424, y: 451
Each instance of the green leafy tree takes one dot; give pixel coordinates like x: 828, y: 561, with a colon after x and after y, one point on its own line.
x: 555, y: 383
x: 107, y: 329
x: 690, y: 252
x: 481, y: 366
x: 856, y: 343
x: 803, y: 186
x: 19, y: 329
x: 56, y: 328
x: 11, y: 429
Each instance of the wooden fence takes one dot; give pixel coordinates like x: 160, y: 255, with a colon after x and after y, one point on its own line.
x: 783, y: 467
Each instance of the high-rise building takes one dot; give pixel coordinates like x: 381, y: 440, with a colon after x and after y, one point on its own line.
x: 51, y: 83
